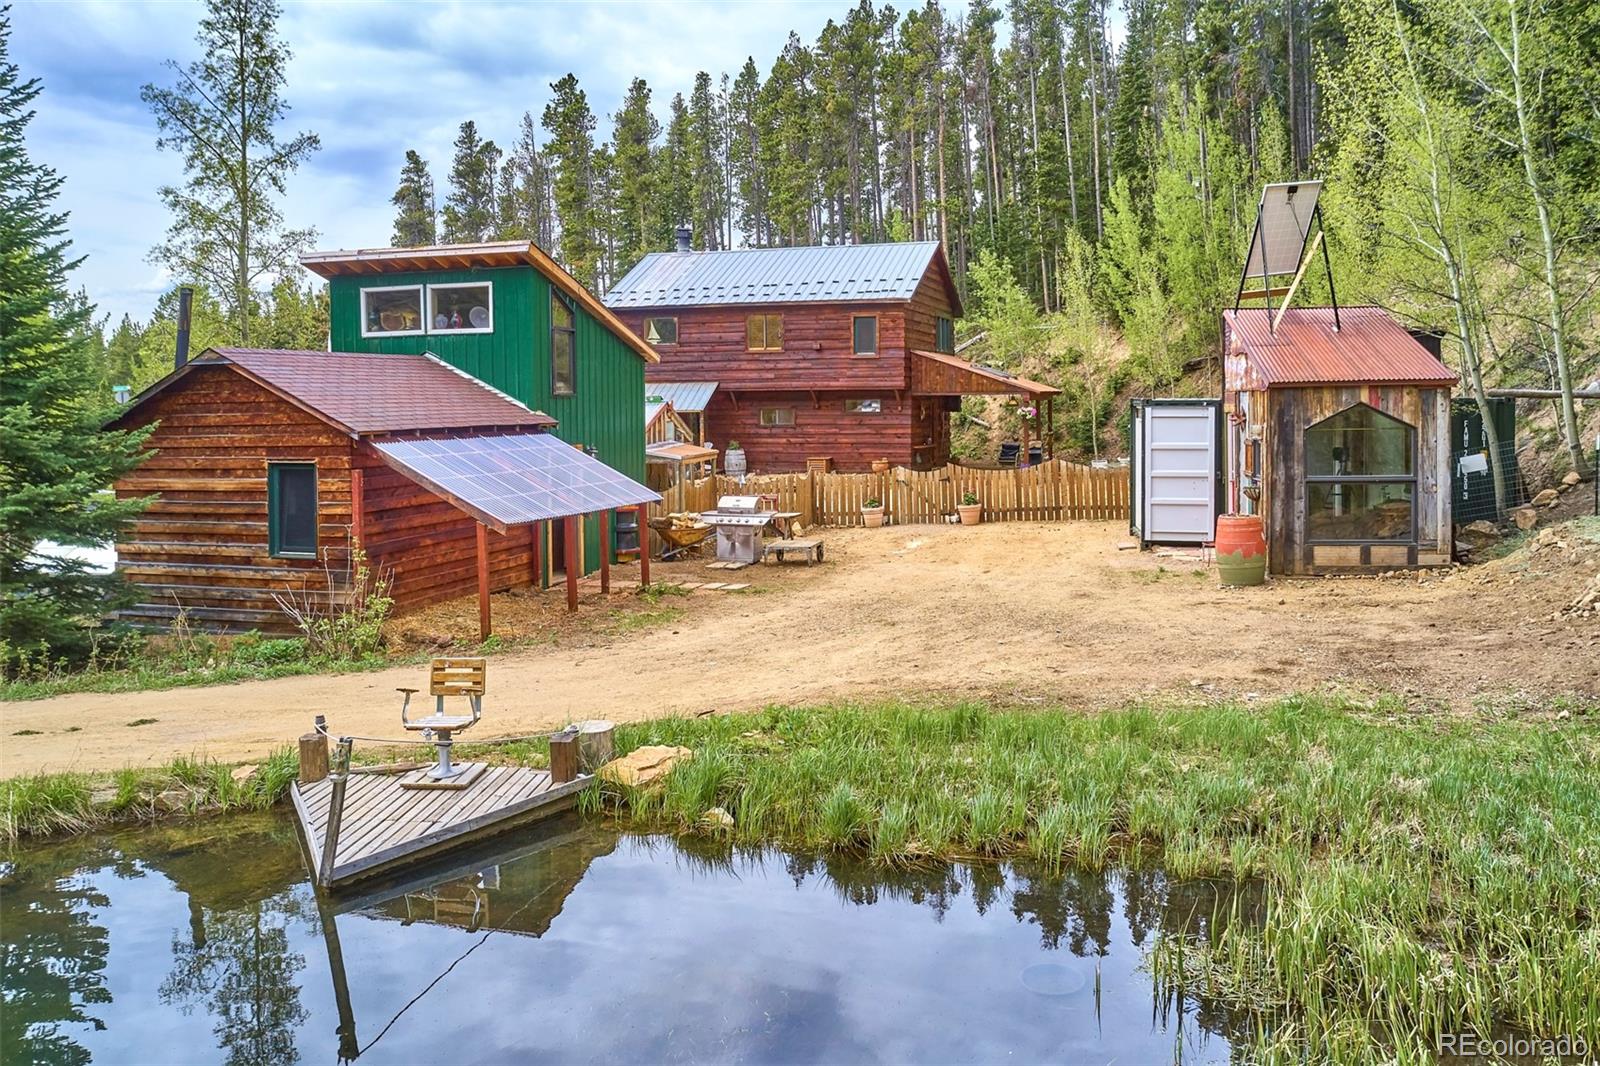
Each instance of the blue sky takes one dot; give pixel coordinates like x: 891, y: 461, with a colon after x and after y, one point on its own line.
x: 373, y: 79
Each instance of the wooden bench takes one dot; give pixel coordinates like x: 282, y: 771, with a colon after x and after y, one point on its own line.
x: 811, y: 548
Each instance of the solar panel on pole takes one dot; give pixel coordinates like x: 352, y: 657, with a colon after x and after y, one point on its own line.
x: 1282, y: 228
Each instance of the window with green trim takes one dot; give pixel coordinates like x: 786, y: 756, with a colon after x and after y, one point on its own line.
x: 292, y: 509
x: 563, y: 346
x: 945, y: 335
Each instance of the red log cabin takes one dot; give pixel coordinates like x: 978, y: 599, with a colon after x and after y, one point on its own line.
x: 843, y: 353
x: 264, y: 467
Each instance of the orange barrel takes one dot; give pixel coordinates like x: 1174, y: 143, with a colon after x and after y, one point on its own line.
x: 1241, y: 549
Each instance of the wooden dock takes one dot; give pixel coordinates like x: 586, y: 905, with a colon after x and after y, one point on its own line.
x: 382, y: 825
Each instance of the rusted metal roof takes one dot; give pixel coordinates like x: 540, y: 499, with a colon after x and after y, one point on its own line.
x: 823, y: 274
x: 484, y: 255
x: 366, y: 394
x: 1369, y: 347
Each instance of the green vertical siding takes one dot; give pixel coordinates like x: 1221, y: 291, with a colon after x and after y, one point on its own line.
x: 606, y: 412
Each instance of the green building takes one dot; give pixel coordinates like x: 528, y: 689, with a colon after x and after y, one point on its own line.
x: 510, y: 316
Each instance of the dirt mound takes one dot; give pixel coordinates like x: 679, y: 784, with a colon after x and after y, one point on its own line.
x: 1553, y: 575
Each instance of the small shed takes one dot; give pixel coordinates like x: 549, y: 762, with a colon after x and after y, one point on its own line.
x: 1339, y: 437
x: 267, y: 467
x: 662, y: 423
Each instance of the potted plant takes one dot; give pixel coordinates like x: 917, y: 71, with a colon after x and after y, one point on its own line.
x: 733, y: 460
x: 872, y: 512
x: 880, y: 466
x: 970, y: 509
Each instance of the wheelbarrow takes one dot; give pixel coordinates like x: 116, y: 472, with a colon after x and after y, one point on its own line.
x: 679, y: 539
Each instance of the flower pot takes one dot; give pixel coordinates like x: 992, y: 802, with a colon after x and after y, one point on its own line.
x: 971, y: 513
x: 880, y: 466
x: 1241, y: 550
x: 872, y: 517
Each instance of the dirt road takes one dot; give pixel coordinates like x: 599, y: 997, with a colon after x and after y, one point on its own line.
x: 1014, y: 612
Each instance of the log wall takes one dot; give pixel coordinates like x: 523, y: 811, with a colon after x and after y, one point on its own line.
x: 822, y: 426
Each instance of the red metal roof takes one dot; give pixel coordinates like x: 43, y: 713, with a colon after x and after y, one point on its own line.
x: 1369, y: 347
x: 365, y: 394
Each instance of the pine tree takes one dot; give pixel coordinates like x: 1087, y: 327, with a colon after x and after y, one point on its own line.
x: 633, y: 142
x: 414, y: 221
x: 55, y: 460
x: 674, y: 180
x: 705, y: 162
x: 525, y: 211
x: 570, y: 123
x: 222, y: 117
x: 471, y: 208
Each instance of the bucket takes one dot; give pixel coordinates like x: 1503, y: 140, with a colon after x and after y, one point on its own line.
x: 1241, y: 550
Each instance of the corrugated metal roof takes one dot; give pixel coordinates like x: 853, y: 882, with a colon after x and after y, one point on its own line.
x: 775, y: 275
x: 687, y: 397
x: 364, y: 393
x: 1369, y: 347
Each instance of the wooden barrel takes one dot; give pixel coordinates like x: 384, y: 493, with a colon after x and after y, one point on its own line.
x: 1241, y: 550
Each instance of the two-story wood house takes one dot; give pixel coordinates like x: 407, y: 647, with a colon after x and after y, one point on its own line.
x: 844, y: 353
x: 510, y: 316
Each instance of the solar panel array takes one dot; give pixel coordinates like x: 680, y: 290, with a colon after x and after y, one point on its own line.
x: 515, y: 478
x: 1282, y: 226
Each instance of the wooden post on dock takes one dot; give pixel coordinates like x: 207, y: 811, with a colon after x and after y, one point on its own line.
x: 564, y: 756
x: 313, y: 758
x: 330, y: 838
x: 595, y: 746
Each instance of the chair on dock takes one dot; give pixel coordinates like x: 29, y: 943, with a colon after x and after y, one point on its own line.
x: 448, y: 677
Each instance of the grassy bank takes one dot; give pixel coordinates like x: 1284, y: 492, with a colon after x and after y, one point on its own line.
x: 47, y: 805
x: 1424, y: 875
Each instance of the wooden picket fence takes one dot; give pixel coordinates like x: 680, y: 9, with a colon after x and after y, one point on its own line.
x: 1049, y: 492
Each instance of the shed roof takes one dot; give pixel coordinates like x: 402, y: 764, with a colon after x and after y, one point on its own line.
x: 690, y: 397
x: 1368, y: 347
x: 485, y: 254
x: 971, y: 379
x: 364, y: 394
x: 813, y: 274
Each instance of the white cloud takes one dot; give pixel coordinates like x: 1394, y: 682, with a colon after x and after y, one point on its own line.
x: 372, y: 79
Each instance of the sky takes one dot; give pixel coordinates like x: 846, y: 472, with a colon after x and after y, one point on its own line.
x: 371, y: 79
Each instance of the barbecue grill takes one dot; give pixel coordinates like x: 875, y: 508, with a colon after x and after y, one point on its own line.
x: 738, y: 521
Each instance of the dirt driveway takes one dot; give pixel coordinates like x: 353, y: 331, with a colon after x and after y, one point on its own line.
x: 1014, y: 612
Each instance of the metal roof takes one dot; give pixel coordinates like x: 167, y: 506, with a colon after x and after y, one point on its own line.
x: 688, y: 397
x: 363, y: 393
x: 831, y: 273
x: 987, y: 380
x: 511, y: 479
x: 1369, y: 347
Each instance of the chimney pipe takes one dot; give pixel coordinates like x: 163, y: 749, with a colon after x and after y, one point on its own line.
x: 684, y: 235
x: 185, y: 304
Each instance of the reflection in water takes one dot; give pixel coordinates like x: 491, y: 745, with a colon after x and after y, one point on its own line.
x: 572, y: 942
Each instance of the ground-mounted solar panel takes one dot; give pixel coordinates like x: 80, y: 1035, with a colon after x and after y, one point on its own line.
x: 512, y: 479
x: 1283, y: 224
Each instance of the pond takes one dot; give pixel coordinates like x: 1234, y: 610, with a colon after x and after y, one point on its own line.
x: 571, y: 942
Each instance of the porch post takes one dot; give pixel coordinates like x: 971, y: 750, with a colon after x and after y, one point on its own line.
x: 574, y: 530
x: 483, y: 582
x: 605, y: 551
x: 536, y: 530
x: 358, y: 508
x: 1050, y: 423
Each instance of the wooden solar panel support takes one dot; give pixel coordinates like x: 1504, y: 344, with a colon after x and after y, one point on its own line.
x: 574, y: 530
x: 605, y: 551
x: 483, y: 582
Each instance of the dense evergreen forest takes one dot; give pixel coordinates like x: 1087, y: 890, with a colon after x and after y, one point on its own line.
x: 1092, y: 171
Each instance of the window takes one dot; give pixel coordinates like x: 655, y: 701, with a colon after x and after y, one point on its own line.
x: 394, y: 310
x: 777, y: 416
x: 944, y: 335
x: 292, y: 509
x: 764, y: 333
x: 1360, y: 478
x: 661, y: 330
x: 563, y: 345
x: 863, y: 407
x: 865, y: 330
x: 463, y: 308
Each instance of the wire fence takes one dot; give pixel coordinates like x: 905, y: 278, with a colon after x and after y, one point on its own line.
x: 1472, y: 488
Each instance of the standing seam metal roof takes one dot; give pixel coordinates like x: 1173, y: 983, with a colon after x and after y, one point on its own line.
x: 775, y: 275
x: 686, y: 397
x: 1369, y: 347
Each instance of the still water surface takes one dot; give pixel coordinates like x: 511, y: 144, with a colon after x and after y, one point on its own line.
x: 571, y: 943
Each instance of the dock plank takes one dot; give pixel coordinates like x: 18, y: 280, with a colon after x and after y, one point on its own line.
x: 384, y: 826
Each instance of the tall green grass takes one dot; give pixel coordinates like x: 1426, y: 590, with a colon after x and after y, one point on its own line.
x: 1423, y: 875
x: 45, y: 805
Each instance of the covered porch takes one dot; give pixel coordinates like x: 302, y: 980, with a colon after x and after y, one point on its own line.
x: 517, y: 481
x: 950, y: 376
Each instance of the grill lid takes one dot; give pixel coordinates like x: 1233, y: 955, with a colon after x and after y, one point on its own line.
x: 739, y: 504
